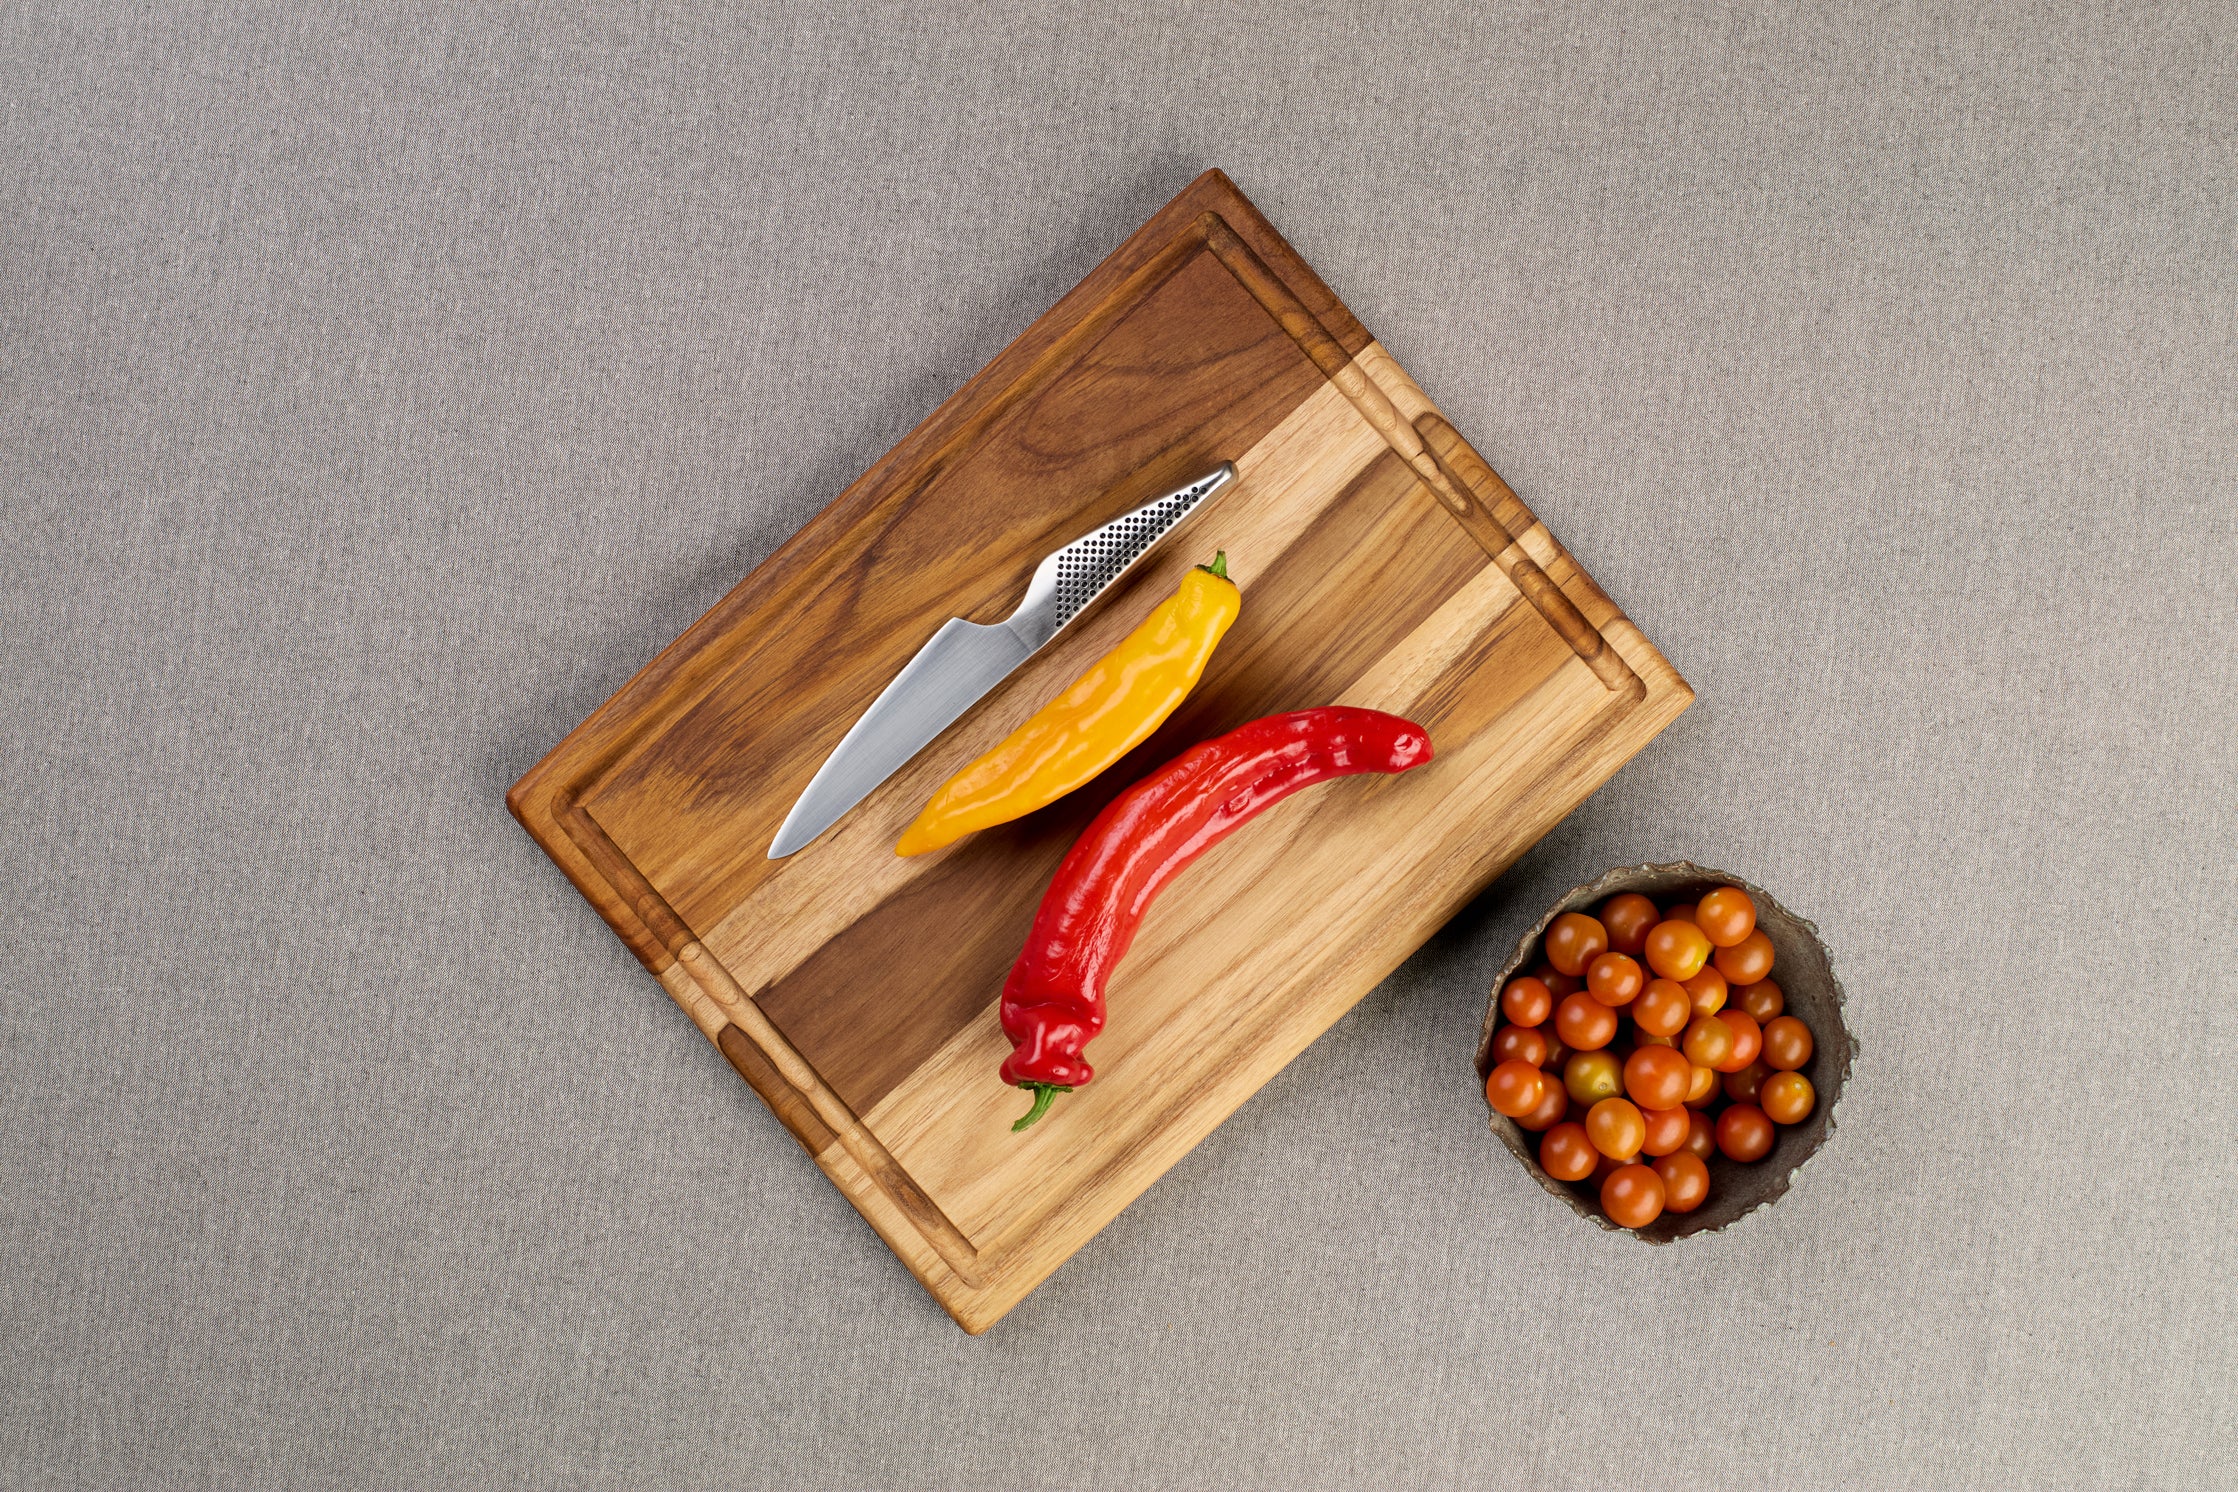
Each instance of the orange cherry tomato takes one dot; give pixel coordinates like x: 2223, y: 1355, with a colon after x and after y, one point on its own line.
x: 1527, y: 1001
x: 1590, y: 1077
x: 1556, y: 1053
x: 1707, y: 991
x: 1748, y: 1040
x: 1557, y: 984
x: 1787, y: 1044
x: 1677, y: 950
x: 1747, y: 961
x: 1584, y: 1023
x: 1788, y: 1098
x: 1632, y: 1197
x: 1616, y: 1128
x: 1666, y: 1130
x: 1701, y: 1135
x: 1614, y: 979
x: 1679, y: 912
x: 1627, y: 918
x: 1566, y: 1154
x: 1702, y: 1091
x: 1519, y: 1044
x: 1643, y: 1038
x: 1686, y: 1181
x: 1763, y: 1000
x: 1574, y: 941
x: 1663, y: 1008
x: 1744, y: 1086
x: 1606, y: 1167
x: 1727, y: 915
x: 1515, y: 1088
x: 1657, y: 1077
x: 1709, y: 1041
x: 1552, y: 1109
x: 1744, y: 1133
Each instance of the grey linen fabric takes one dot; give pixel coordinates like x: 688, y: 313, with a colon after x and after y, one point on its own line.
x: 382, y: 385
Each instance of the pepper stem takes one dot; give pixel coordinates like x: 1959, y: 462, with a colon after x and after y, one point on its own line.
x: 1044, y: 1095
x: 1219, y: 566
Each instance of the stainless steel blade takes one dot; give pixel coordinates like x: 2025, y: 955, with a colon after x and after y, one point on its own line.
x: 965, y: 660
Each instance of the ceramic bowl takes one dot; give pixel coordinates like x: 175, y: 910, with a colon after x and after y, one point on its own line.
x: 1804, y: 974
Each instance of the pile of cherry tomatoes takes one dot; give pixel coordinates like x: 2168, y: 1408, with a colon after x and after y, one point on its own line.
x: 1646, y: 1056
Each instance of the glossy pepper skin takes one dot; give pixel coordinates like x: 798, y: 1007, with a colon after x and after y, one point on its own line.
x: 1105, y: 713
x: 1052, y: 1004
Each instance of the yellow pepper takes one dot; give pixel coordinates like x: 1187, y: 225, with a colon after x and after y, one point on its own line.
x: 1106, y: 713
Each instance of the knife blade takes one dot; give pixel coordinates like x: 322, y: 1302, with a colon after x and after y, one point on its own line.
x: 965, y: 660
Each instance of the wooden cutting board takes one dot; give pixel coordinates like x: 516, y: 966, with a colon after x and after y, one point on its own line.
x: 1382, y: 563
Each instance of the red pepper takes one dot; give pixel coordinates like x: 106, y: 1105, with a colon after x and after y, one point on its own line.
x: 1052, y: 1004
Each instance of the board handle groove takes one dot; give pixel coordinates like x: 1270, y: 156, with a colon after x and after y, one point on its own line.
x: 1498, y: 502
x: 1464, y: 484
x: 886, y: 1173
x: 785, y: 1066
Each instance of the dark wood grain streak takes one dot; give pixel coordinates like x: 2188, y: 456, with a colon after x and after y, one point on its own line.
x: 1193, y: 375
x: 878, y: 999
x: 678, y: 676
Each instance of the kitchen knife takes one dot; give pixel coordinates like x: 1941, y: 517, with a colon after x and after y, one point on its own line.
x: 965, y: 660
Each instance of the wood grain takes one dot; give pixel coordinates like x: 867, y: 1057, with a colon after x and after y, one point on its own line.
x: 1382, y: 562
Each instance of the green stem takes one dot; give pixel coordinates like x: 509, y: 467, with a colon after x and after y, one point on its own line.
x: 1219, y: 566
x: 1044, y: 1095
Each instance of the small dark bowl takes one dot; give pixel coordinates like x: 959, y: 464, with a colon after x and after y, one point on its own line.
x: 1799, y: 966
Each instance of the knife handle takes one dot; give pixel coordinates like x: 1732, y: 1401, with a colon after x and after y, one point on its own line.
x: 1069, y: 580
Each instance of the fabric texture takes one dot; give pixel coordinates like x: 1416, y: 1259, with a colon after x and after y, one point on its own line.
x: 382, y: 385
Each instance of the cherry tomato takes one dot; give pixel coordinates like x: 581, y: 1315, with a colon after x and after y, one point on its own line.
x: 1666, y: 1130
x: 1744, y: 1133
x: 1628, y: 917
x: 1556, y: 1053
x: 1677, y: 950
x: 1556, y: 984
x: 1591, y: 1077
x: 1632, y: 1197
x: 1644, y: 1038
x: 1788, y: 1098
x: 1519, y: 1044
x: 1744, y: 1086
x: 1526, y: 1001
x: 1727, y: 915
x: 1584, y: 1023
x: 1748, y: 1040
x: 1606, y: 1167
x: 1707, y: 991
x: 1702, y: 1091
x: 1552, y: 1109
x: 1763, y: 1000
x: 1515, y: 1088
x: 1662, y: 1008
x: 1574, y: 941
x: 1709, y: 1041
x: 1747, y: 961
x: 1787, y: 1044
x: 1566, y: 1154
x: 1616, y: 1128
x: 1686, y: 1181
x: 1614, y: 979
x: 1680, y: 912
x: 1657, y: 1077
x: 1701, y: 1135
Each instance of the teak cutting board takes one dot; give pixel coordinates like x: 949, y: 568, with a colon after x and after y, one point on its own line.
x: 1382, y: 563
